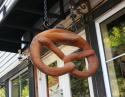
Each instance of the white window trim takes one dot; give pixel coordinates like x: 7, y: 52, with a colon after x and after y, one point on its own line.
x: 90, y: 81
x: 10, y: 81
x: 50, y: 58
x: 100, y: 44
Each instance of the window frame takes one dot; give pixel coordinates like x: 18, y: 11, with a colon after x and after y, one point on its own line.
x: 10, y: 80
x: 98, y: 20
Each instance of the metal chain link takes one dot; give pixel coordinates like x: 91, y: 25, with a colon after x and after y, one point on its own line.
x: 45, y: 23
x: 45, y: 11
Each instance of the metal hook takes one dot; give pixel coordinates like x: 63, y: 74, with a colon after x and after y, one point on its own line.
x: 45, y: 24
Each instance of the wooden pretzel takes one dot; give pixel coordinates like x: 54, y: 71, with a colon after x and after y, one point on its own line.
x: 49, y: 38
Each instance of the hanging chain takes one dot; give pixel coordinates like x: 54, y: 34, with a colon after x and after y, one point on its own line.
x: 45, y: 23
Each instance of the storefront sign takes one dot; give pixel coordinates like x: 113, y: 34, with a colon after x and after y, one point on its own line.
x: 49, y: 38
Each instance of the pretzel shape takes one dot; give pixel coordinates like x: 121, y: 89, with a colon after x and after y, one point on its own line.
x: 49, y: 38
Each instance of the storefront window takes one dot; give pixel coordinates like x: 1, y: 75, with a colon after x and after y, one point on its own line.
x: 20, y: 86
x: 113, y: 34
x: 53, y: 84
x: 79, y: 87
x: 2, y: 91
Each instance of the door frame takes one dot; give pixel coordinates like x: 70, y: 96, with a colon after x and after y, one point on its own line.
x: 100, y: 44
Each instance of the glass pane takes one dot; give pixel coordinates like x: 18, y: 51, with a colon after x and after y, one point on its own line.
x: 15, y: 87
x: 20, y: 86
x: 116, y: 70
x: 2, y: 92
x: 113, y: 34
x: 79, y: 87
x: 24, y: 85
x: 53, y: 84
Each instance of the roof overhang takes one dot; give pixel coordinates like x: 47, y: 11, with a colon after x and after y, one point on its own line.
x: 23, y: 19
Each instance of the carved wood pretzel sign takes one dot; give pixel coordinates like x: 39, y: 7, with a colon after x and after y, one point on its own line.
x: 49, y: 38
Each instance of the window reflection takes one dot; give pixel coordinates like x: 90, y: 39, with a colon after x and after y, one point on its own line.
x: 79, y: 87
x: 53, y: 84
x: 2, y: 91
x: 15, y: 88
x: 116, y: 70
x: 24, y: 84
x: 113, y: 34
x: 20, y: 86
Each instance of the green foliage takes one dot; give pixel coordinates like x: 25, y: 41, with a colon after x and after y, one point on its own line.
x: 120, y: 77
x: 117, y: 36
x: 24, y: 85
x: 25, y: 91
x: 20, y: 86
x: 116, y: 40
x: 79, y: 87
x: 2, y: 92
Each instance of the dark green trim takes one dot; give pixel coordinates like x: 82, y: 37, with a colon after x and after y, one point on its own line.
x: 31, y: 80
x: 7, y: 88
x: 97, y: 79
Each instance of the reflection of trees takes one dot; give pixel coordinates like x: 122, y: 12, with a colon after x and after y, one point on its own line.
x: 2, y: 92
x: 120, y: 76
x: 24, y: 85
x: 25, y: 91
x: 52, y: 80
x: 117, y: 44
x: 20, y: 86
x: 79, y: 87
x: 117, y: 38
